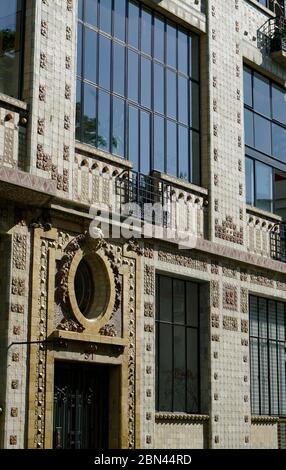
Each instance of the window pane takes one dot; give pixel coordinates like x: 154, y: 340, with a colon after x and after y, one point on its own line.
x: 78, y: 110
x: 264, y: 377
x: 79, y: 50
x: 262, y: 310
x: 91, y: 12
x: 281, y: 379
x: 171, y: 45
x: 118, y: 68
x: 249, y: 181
x: 264, y: 197
x: 194, y: 42
x: 179, y: 369
x: 159, y: 28
x: 133, y: 137
x: 183, y: 99
x: 255, y: 408
x: 171, y: 148
x: 146, y: 31
x: 104, y: 62
x: 194, y: 105
x: 179, y: 301
x: 171, y: 94
x: 183, y: 52
x: 133, y: 24
x: 195, y: 157
x: 165, y: 299
x: 89, y: 117
x: 279, y: 142
x: 119, y: 19
x: 104, y: 121
x: 158, y: 88
x: 183, y: 153
x: 80, y: 9
x: 145, y: 143
x: 273, y: 377
x: 165, y: 367
x: 262, y: 129
x: 261, y: 94
x: 192, y: 297
x: 10, y: 23
x: 118, y: 127
x: 90, y: 51
x: 248, y: 128
x: 272, y: 319
x: 105, y: 10
x: 280, y: 193
x: 159, y: 141
x: 133, y: 75
x: 247, y: 86
x: 146, y: 82
x: 253, y: 312
x: 279, y: 104
x: 192, y: 371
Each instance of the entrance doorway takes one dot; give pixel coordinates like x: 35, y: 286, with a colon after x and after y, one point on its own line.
x: 81, y: 406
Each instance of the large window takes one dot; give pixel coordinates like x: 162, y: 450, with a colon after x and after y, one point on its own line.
x: 11, y: 45
x: 267, y: 352
x: 177, y: 345
x: 265, y: 140
x: 138, y: 87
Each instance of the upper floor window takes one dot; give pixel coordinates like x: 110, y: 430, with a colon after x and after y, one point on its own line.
x: 268, y: 358
x: 138, y: 87
x: 265, y: 139
x: 11, y: 44
x: 275, y: 5
x: 177, y: 345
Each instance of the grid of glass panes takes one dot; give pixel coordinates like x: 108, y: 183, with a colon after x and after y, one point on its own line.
x: 267, y: 356
x: 177, y: 345
x: 138, y: 87
x: 265, y: 140
x: 11, y: 45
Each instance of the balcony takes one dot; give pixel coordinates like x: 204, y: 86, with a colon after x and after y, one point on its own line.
x: 154, y: 201
x: 273, y: 34
x: 278, y: 242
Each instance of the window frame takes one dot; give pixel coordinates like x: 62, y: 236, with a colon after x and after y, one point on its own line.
x: 187, y: 327
x: 22, y: 30
x: 194, y: 166
x: 258, y: 338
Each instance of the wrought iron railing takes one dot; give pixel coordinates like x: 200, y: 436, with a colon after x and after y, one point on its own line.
x: 278, y: 242
x: 273, y: 34
x: 144, y: 197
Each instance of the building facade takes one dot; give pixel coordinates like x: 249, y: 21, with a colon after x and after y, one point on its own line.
x: 129, y: 341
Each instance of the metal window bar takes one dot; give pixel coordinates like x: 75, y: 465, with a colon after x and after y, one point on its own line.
x: 278, y: 242
x: 137, y: 193
x: 273, y: 34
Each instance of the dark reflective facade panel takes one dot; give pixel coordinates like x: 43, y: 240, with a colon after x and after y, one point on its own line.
x: 11, y: 46
x: 141, y: 64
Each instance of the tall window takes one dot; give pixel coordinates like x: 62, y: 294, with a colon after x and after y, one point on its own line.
x: 177, y: 345
x: 265, y: 139
x: 138, y: 87
x: 268, y: 359
x: 11, y: 45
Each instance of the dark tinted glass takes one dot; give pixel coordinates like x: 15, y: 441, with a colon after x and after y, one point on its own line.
x: 279, y: 104
x: 248, y: 128
x: 133, y: 24
x: 194, y: 57
x: 171, y: 45
x: 183, y: 100
x: 90, y: 10
x: 78, y: 110
x: 104, y: 62
x: 146, y: 31
x: 263, y: 178
x: 119, y: 19
x: 247, y: 86
x: 90, y: 53
x: 279, y: 142
x: 194, y: 105
x: 195, y: 157
x: 166, y: 367
x: 159, y: 144
x: 171, y: 94
x: 118, y: 68
x: 159, y: 34
x: 183, y: 136
x: 79, y: 50
x: 158, y: 88
x: 133, y: 65
x: 145, y: 142
x: 89, y: 117
x: 183, y: 59
x: 179, y: 403
x: 105, y: 9
x: 262, y: 134
x: 103, y: 120
x: 249, y: 181
x: 10, y: 46
x: 261, y: 94
x: 171, y: 148
x: 146, y: 82
x: 118, y: 127
x: 133, y: 137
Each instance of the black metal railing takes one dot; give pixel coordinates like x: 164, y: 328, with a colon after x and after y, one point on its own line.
x: 144, y: 197
x: 273, y: 32
x: 277, y: 6
x: 278, y: 242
